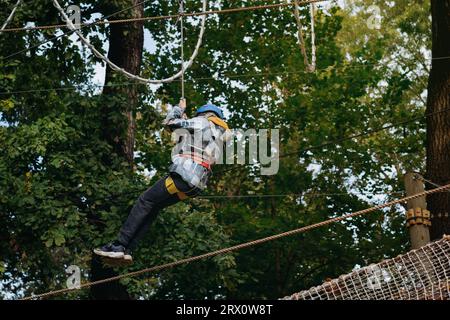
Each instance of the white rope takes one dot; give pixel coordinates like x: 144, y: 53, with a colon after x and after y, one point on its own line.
x: 11, y: 15
x: 313, y: 38
x: 310, y: 67
x: 182, y: 46
x: 123, y: 71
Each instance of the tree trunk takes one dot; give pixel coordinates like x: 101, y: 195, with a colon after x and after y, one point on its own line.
x: 108, y: 291
x: 438, y: 125
x: 126, y: 43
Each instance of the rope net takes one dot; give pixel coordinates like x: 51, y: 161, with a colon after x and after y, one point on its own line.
x: 421, y: 274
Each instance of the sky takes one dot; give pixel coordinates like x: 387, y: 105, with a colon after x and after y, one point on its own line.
x: 99, y: 76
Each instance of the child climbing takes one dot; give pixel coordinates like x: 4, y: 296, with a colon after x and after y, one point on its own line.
x: 198, y: 148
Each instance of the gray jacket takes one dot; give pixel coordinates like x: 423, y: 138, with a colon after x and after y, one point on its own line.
x: 199, y: 145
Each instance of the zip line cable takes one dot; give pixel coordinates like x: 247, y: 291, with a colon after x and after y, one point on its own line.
x: 232, y: 10
x: 11, y: 15
x: 354, y: 136
x: 204, y: 13
x: 434, y: 184
x: 366, y: 133
x: 248, y: 196
x: 173, y: 16
x: 228, y: 197
x: 217, y: 78
x: 67, y: 33
x: 239, y: 246
x: 115, y: 67
x: 440, y: 58
x: 333, y: 142
x: 312, y: 194
x: 163, y: 17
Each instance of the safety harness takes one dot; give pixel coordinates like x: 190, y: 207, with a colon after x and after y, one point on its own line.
x: 172, y: 189
x: 219, y: 122
x: 200, y: 160
x: 196, y: 159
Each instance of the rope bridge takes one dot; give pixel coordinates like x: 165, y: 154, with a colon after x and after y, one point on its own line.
x: 240, y: 246
x: 421, y: 274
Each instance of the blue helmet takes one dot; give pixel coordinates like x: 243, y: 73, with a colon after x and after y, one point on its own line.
x: 210, y: 108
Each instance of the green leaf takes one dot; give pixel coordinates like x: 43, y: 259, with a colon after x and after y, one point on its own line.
x: 49, y: 243
x: 59, y: 239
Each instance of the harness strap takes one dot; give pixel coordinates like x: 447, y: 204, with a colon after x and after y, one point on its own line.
x: 172, y: 189
x: 219, y: 122
x: 196, y: 159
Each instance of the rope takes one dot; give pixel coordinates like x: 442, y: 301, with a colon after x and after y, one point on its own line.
x: 363, y: 134
x: 115, y: 67
x: 11, y: 15
x: 434, y: 184
x: 166, y: 17
x: 155, y: 18
x: 313, y: 37
x: 220, y: 77
x: 350, y: 137
x: 238, y: 247
x: 441, y: 58
x: 310, y: 67
x: 71, y: 31
x: 312, y: 194
x: 182, y: 46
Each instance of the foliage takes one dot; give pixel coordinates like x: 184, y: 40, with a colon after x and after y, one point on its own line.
x: 63, y: 190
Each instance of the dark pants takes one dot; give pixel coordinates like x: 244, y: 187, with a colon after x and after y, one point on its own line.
x: 148, y: 206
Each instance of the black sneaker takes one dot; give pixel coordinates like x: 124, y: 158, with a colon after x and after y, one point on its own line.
x: 112, y: 250
x: 126, y: 261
